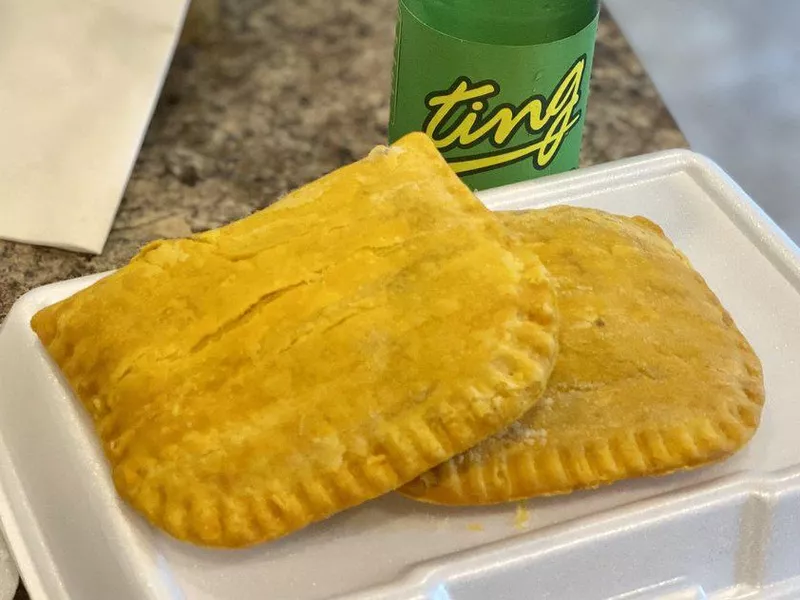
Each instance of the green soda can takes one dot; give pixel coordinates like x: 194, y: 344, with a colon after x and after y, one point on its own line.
x: 500, y: 86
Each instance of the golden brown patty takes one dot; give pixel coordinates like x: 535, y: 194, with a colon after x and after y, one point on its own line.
x: 254, y: 379
x: 652, y: 376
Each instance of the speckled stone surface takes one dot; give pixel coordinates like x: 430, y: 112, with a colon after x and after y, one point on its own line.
x: 289, y: 91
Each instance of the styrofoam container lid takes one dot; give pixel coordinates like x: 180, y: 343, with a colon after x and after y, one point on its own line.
x: 731, y: 530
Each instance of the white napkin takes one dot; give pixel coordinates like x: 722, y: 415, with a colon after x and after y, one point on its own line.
x: 78, y: 84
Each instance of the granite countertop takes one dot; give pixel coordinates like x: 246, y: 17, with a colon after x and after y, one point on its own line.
x: 287, y: 92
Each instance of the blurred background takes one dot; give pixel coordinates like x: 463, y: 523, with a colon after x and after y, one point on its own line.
x: 729, y: 72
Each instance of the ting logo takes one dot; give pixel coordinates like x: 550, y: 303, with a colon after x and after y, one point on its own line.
x: 550, y: 119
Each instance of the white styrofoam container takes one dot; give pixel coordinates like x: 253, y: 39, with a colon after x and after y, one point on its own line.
x: 727, y: 531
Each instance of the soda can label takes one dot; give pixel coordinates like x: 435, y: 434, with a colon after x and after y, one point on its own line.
x: 499, y: 114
